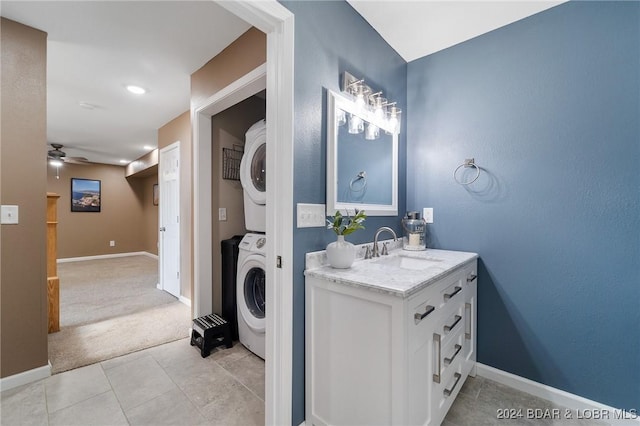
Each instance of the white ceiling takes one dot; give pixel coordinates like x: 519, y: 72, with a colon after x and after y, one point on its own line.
x: 96, y: 48
x: 421, y: 27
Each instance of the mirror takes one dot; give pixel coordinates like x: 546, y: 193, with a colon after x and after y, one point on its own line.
x: 362, y: 169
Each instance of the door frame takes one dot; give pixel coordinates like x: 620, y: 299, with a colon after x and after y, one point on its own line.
x: 161, y: 283
x: 277, y: 22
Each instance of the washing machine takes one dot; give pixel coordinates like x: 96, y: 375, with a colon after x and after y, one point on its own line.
x: 251, y: 295
x: 253, y: 177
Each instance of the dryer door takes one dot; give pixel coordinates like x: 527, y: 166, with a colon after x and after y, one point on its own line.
x: 251, y: 292
x: 253, y: 173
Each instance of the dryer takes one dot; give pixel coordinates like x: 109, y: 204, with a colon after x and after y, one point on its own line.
x: 253, y: 177
x: 251, y: 294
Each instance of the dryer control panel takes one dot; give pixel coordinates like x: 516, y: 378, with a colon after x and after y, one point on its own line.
x: 254, y: 243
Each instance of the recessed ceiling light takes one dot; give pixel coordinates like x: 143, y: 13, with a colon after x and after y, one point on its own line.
x: 137, y: 90
x: 124, y: 161
x: 148, y: 148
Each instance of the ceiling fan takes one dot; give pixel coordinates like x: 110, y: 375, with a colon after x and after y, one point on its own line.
x: 56, y: 154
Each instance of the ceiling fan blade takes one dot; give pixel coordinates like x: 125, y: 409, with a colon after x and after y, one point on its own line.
x: 76, y: 160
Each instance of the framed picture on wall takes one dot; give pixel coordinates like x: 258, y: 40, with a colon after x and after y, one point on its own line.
x: 85, y: 195
x: 156, y: 194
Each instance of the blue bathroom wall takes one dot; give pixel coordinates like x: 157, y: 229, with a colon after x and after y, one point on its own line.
x: 549, y: 107
x: 330, y: 37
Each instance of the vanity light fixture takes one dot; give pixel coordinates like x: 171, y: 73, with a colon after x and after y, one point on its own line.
x: 370, y: 103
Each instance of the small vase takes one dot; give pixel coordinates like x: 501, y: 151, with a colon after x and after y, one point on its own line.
x: 341, y: 253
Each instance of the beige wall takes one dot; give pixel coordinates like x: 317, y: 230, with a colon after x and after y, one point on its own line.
x: 245, y: 54
x: 179, y: 129
x: 228, y: 129
x: 23, y: 138
x: 121, y: 217
x: 150, y: 214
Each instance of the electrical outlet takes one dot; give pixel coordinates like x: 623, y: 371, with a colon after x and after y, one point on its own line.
x: 112, y: 243
x: 427, y: 214
x: 222, y: 214
x: 311, y: 215
x: 9, y: 215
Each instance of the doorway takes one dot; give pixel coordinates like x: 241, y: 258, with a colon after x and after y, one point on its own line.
x: 277, y: 22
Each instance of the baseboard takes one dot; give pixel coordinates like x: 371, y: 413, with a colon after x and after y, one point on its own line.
x: 25, y: 377
x: 580, y: 407
x: 185, y: 300
x: 151, y: 255
x: 106, y: 256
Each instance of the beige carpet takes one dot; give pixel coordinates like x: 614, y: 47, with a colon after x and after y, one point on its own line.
x: 111, y: 307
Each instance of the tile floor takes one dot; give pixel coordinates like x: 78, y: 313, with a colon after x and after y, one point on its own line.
x: 172, y: 385
x: 480, y: 400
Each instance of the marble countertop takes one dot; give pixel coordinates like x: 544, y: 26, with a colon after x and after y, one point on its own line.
x: 386, y: 275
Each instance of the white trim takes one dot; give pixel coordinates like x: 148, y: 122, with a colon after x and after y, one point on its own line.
x: 248, y: 85
x: 185, y: 300
x: 278, y: 23
x: 105, y: 256
x: 556, y: 396
x: 25, y: 377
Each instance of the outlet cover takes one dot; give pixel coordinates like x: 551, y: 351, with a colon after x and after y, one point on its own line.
x: 112, y: 243
x: 427, y: 214
x: 222, y: 214
x: 311, y: 215
x: 9, y: 215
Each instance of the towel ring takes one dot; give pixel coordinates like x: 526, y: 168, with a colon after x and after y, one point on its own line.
x: 468, y: 162
x: 360, y: 176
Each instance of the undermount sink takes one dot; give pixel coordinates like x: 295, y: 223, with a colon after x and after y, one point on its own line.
x: 404, y: 261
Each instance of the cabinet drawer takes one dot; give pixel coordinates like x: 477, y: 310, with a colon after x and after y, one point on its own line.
x: 453, y: 293
x: 423, y: 311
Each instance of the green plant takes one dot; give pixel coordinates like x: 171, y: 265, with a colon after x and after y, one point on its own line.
x: 345, y: 225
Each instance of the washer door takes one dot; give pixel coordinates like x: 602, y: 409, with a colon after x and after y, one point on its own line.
x: 251, y: 293
x: 253, y: 173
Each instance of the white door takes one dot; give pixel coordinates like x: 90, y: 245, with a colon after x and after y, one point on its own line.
x: 169, y: 235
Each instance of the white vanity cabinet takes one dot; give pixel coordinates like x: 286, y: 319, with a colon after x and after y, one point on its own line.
x: 378, y: 355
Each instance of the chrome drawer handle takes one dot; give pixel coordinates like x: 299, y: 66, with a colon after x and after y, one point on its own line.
x: 456, y: 291
x: 436, y: 375
x: 448, y: 361
x: 419, y: 317
x: 448, y: 392
x: 467, y: 307
x: 448, y: 328
x: 471, y: 278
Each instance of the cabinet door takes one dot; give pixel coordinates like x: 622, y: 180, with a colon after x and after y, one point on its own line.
x: 470, y: 326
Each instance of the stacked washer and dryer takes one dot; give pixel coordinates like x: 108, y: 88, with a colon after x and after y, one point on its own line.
x: 251, y: 295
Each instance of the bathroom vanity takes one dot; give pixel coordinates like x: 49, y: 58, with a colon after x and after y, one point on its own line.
x: 391, y: 340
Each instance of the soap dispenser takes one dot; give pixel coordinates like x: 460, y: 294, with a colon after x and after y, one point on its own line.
x: 414, y: 229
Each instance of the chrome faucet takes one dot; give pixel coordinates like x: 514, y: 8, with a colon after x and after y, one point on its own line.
x: 375, y: 240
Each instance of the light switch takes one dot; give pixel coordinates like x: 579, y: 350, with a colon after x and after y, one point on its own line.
x: 222, y: 214
x: 9, y: 215
x: 311, y: 215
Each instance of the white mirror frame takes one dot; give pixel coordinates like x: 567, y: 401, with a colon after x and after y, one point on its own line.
x: 337, y: 101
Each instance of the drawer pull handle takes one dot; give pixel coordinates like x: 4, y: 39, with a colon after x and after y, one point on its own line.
x: 419, y: 317
x: 448, y: 392
x: 436, y: 340
x: 448, y: 296
x: 448, y: 328
x: 467, y: 308
x: 448, y: 361
x: 471, y: 278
